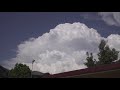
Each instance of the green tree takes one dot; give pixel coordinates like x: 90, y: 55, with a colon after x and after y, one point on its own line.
x: 20, y: 71
x: 90, y: 62
x: 106, y: 55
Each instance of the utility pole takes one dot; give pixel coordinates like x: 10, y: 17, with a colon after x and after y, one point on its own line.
x: 32, y: 67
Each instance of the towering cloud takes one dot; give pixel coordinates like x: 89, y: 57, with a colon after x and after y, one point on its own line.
x: 111, y: 18
x: 62, y: 49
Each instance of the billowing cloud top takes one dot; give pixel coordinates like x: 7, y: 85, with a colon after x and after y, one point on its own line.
x: 62, y: 49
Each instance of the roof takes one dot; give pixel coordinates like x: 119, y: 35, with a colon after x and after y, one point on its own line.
x: 101, y: 68
x: 36, y: 74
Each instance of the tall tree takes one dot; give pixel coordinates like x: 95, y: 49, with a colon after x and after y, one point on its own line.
x: 90, y: 62
x: 20, y: 71
x: 106, y: 55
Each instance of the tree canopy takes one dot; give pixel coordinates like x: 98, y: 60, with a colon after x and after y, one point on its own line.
x: 90, y: 62
x: 20, y: 71
x: 105, y: 55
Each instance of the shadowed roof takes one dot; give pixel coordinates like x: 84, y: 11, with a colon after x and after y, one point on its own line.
x: 101, y: 68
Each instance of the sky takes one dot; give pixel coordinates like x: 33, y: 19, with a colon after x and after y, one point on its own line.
x: 53, y: 37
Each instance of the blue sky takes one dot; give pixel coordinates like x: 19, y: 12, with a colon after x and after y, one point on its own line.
x: 16, y: 27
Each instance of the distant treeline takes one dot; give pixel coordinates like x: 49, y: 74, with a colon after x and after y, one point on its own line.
x: 3, y: 72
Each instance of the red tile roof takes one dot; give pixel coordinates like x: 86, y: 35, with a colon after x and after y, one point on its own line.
x: 86, y: 70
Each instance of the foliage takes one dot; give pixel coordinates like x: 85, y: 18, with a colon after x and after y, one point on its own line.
x: 90, y: 62
x: 105, y: 55
x: 20, y: 71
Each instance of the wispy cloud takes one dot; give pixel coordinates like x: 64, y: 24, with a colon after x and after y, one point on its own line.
x: 111, y: 18
x: 90, y: 16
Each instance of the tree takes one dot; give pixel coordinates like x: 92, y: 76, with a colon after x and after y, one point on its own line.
x: 90, y: 62
x: 20, y: 71
x: 106, y: 55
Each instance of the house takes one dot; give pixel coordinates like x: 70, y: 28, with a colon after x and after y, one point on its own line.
x: 102, y: 71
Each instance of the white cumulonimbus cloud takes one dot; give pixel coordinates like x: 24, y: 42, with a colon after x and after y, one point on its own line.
x: 62, y: 49
x: 111, y: 18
